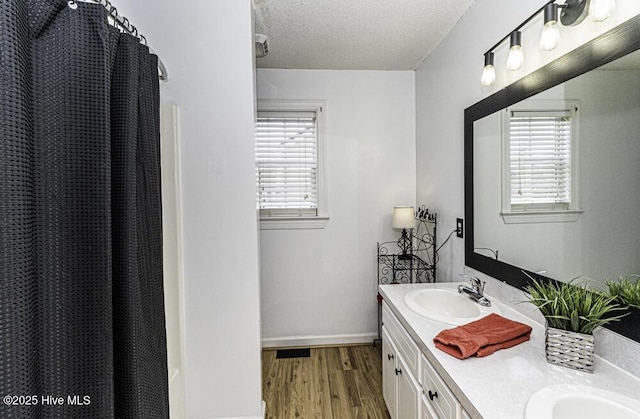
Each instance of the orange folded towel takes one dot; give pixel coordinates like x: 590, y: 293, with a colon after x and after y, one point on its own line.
x: 482, y: 337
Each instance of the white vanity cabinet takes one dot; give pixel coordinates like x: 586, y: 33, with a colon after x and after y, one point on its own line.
x: 410, y: 385
x: 473, y: 388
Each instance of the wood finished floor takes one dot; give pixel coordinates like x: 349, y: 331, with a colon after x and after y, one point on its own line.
x: 334, y: 383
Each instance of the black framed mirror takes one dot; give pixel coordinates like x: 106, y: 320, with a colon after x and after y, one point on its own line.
x: 605, y: 49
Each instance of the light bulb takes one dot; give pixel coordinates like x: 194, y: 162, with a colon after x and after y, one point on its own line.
x: 550, y: 37
x: 516, y: 57
x: 600, y: 10
x: 488, y: 75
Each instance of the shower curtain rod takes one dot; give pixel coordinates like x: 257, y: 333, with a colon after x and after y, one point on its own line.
x: 124, y: 24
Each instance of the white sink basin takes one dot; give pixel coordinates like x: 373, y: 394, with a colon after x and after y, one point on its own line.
x: 575, y: 401
x: 447, y: 305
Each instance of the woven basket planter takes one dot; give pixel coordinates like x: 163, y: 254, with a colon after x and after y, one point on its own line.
x: 569, y: 349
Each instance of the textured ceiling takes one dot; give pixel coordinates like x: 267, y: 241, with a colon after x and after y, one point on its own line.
x: 354, y: 34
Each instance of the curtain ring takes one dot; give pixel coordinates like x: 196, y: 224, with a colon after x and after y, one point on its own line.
x: 72, y: 4
x: 143, y: 40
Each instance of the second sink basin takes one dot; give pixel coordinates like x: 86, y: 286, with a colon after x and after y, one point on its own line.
x: 447, y: 305
x: 575, y: 401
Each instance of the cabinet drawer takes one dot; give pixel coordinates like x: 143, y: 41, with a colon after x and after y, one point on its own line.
x: 437, y: 393
x: 406, y: 346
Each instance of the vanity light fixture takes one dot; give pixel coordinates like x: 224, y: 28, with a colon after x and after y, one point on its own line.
x: 489, y: 72
x: 600, y: 10
x: 550, y: 37
x: 573, y: 13
x: 404, y: 218
x: 516, y: 56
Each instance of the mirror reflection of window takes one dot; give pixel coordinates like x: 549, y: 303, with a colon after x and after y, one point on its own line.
x: 540, y: 159
x: 540, y: 162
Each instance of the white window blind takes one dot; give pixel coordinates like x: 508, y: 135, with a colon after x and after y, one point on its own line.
x: 540, y: 160
x: 287, y: 163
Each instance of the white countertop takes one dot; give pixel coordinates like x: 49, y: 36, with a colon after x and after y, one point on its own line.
x: 499, y: 385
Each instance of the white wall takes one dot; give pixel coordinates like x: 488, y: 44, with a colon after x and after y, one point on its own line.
x: 319, y: 286
x: 207, y: 48
x: 449, y: 81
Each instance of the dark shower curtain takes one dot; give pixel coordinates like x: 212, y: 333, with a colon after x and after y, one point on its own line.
x: 82, y: 331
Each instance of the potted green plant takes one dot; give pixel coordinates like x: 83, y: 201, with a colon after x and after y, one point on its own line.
x: 572, y: 312
x: 626, y: 290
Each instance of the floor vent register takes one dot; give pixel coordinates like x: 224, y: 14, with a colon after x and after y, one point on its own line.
x: 293, y: 353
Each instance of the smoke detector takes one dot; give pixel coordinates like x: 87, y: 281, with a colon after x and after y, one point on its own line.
x: 262, y: 48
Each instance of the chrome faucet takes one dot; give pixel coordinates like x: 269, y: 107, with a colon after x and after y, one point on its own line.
x: 475, y: 291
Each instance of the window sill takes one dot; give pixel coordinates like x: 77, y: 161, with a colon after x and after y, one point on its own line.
x: 294, y: 223
x: 529, y: 217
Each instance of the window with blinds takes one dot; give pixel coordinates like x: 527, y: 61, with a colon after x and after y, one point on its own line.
x: 540, y: 161
x: 288, y: 163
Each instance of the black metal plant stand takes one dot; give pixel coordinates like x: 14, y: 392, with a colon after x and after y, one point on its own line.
x: 411, y: 259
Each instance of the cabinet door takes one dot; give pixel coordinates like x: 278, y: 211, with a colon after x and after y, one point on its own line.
x: 427, y: 410
x: 409, y: 391
x: 389, y: 374
x: 440, y: 397
x: 405, y: 344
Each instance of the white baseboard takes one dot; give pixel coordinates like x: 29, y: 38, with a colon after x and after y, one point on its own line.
x: 319, y: 340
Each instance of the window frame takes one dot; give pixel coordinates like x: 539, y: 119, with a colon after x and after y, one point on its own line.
x: 542, y: 213
x: 289, y: 221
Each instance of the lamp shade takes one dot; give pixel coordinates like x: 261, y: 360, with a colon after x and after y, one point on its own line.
x: 403, y: 217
